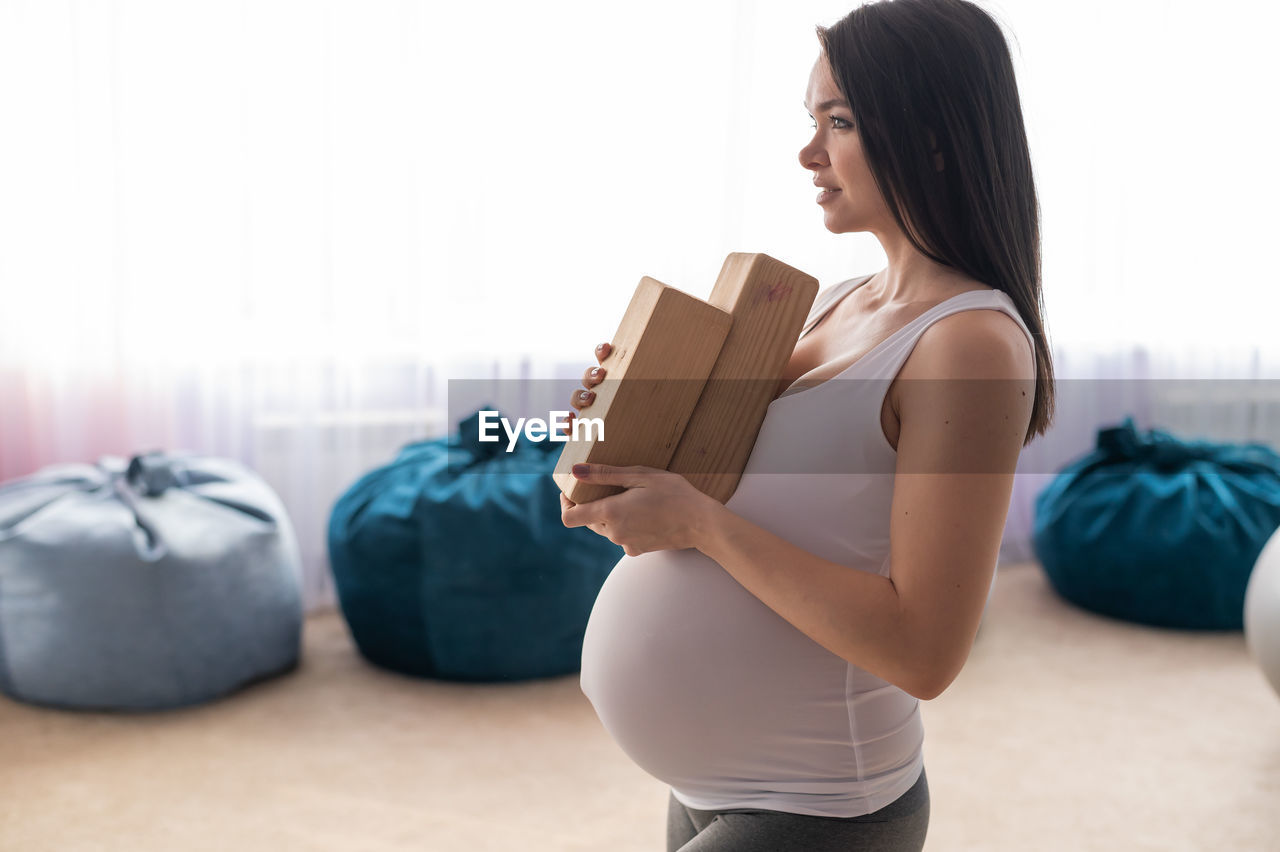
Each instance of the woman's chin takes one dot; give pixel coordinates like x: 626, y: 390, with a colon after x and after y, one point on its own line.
x: 836, y: 225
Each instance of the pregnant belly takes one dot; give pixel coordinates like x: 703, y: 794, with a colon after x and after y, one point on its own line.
x: 697, y: 680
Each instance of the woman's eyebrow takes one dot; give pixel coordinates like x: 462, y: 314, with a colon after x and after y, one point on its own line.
x: 826, y: 105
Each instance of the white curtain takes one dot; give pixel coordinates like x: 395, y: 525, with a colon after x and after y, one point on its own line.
x: 275, y: 230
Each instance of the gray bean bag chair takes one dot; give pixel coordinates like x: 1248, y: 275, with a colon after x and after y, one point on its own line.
x: 161, y: 583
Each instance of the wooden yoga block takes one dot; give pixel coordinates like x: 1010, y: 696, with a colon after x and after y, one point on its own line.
x: 769, y: 302
x: 744, y: 338
x: 661, y: 355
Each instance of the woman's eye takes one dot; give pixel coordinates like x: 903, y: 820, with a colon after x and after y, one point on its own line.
x: 836, y: 122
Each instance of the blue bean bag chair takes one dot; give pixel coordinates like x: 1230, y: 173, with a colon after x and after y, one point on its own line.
x: 160, y: 583
x: 1153, y: 529
x: 451, y: 562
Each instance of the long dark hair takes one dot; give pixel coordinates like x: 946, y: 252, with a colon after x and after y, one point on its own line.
x: 911, y: 68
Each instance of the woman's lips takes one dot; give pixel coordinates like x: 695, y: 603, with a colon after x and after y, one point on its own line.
x: 826, y: 195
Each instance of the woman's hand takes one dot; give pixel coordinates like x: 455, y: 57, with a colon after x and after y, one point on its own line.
x: 659, y: 510
x: 592, y: 377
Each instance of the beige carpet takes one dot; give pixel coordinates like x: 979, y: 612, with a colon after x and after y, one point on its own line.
x: 1066, y: 731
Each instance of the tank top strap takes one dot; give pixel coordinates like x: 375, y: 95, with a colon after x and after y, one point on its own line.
x: 887, y: 360
x: 827, y: 298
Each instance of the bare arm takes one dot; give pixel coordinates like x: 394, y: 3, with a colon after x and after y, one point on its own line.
x: 961, y: 433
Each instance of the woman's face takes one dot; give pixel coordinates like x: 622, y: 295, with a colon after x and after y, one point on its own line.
x: 849, y: 197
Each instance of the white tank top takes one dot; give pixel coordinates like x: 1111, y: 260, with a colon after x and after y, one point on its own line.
x: 718, y: 696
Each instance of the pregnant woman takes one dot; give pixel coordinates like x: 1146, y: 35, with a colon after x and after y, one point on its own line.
x: 766, y: 658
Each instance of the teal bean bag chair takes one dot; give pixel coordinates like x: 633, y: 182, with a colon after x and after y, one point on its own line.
x: 1153, y: 529
x: 166, y: 581
x: 451, y: 562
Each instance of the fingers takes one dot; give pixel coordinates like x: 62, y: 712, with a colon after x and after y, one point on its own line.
x: 580, y: 398
x: 583, y: 517
x: 591, y: 377
x: 565, y: 503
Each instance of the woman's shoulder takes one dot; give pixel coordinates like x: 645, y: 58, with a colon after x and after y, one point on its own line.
x: 976, y: 365
x: 983, y: 341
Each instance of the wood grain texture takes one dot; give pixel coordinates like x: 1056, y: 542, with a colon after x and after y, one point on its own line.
x: 662, y: 353
x: 769, y: 302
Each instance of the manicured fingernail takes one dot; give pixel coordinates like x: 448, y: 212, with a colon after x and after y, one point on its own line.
x: 584, y: 395
x: 580, y: 470
x: 595, y: 371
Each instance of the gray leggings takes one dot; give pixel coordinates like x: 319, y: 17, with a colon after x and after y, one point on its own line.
x: 899, y: 826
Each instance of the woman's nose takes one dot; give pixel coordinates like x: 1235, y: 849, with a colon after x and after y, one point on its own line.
x: 812, y: 156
